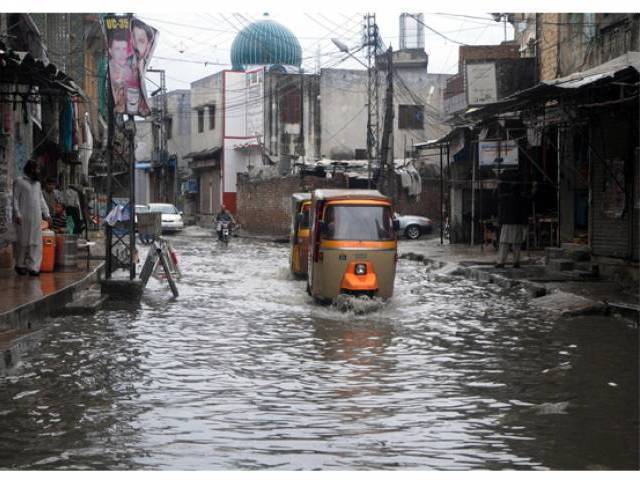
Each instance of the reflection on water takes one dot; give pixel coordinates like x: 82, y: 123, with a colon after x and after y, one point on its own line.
x: 244, y: 371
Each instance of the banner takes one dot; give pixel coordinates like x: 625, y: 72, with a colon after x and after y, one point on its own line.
x: 145, y: 39
x: 130, y: 43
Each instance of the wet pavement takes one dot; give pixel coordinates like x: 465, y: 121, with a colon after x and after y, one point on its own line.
x: 244, y: 371
x: 18, y: 290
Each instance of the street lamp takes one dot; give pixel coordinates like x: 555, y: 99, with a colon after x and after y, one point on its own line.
x: 343, y: 48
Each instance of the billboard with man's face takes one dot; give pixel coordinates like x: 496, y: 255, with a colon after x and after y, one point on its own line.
x: 130, y: 44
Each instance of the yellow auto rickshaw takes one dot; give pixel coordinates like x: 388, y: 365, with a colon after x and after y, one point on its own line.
x: 352, y: 244
x: 299, y: 238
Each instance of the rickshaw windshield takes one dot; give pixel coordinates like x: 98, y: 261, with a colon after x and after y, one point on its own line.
x: 359, y: 222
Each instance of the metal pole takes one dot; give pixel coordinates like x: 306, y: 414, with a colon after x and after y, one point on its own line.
x: 108, y: 232
x: 559, y: 157
x: 505, y: 27
x: 391, y: 167
x: 372, y: 94
x: 441, y: 200
x: 473, y: 193
x: 449, y: 193
x: 165, y: 153
x: 590, y: 198
x: 132, y: 198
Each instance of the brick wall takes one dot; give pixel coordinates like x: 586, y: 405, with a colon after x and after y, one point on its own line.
x: 264, y: 206
x: 455, y: 85
x: 487, y: 52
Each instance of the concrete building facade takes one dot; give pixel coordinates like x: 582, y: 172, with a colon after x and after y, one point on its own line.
x: 206, y: 118
x: 418, y: 106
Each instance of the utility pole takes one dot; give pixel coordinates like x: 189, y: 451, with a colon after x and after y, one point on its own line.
x: 109, y: 267
x: 161, y: 150
x: 387, y: 167
x: 504, y: 18
x: 301, y: 150
x: 371, y: 41
x: 120, y: 239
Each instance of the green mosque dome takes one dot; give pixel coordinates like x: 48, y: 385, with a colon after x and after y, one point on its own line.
x: 265, y: 42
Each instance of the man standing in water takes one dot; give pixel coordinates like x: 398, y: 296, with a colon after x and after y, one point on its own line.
x: 513, y: 218
x: 29, y: 208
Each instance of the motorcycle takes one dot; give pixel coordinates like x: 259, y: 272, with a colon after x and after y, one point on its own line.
x: 223, y: 228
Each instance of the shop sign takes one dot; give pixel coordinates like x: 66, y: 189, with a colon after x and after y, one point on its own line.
x: 497, y: 153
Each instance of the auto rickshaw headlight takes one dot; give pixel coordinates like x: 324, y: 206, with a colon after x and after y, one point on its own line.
x: 361, y: 269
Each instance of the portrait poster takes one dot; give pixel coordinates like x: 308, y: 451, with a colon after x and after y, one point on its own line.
x: 130, y: 45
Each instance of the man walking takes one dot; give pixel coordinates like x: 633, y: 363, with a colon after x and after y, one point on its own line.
x: 514, y: 220
x: 29, y: 209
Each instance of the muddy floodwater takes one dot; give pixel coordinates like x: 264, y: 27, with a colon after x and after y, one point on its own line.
x: 244, y: 371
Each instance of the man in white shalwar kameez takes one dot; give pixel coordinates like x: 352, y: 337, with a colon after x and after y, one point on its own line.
x: 29, y: 209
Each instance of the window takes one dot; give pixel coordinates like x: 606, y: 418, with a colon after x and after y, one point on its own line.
x: 169, y: 127
x: 359, y: 222
x: 200, y: 120
x: 163, y: 208
x: 212, y: 117
x: 290, y: 106
x: 411, y: 117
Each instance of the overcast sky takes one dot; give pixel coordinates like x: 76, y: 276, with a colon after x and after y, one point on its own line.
x: 197, y: 31
x: 188, y: 40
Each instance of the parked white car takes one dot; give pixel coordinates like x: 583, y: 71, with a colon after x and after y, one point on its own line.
x: 170, y: 218
x: 413, y: 226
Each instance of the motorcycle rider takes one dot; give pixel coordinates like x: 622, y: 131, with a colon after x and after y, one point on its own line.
x: 223, y: 215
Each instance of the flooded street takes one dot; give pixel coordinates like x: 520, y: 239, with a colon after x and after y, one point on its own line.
x: 244, y: 371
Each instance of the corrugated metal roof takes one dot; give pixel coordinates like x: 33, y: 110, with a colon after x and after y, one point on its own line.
x: 26, y: 69
x: 550, y: 89
x: 605, y: 70
x: 301, y: 196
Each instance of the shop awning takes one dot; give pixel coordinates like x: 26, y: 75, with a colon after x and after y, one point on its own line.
x: 455, y: 140
x: 431, y: 143
x: 207, y: 152
x: 246, y: 146
x: 22, y: 68
x: 630, y: 60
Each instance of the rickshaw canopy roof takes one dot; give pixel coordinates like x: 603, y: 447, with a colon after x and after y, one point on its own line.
x: 346, y: 194
x: 301, y: 197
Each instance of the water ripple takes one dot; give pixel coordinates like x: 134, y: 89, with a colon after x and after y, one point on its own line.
x: 244, y: 371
